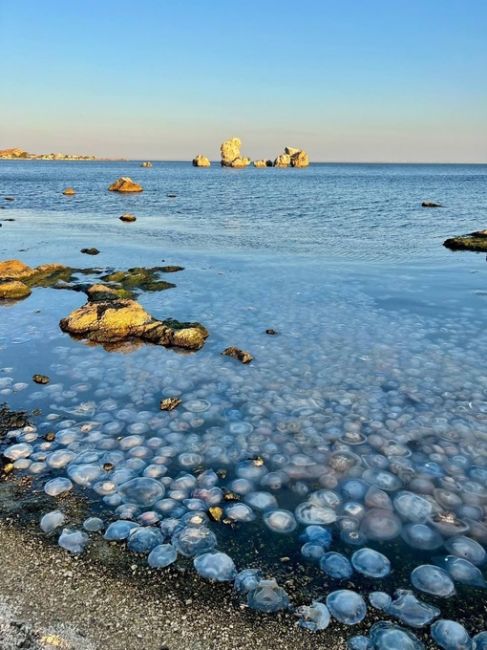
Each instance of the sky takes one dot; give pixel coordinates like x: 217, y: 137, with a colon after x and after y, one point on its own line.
x: 347, y: 80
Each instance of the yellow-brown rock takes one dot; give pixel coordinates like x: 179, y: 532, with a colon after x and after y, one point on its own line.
x: 201, y: 161
x: 69, y: 191
x: 284, y: 160
x: 125, y: 184
x: 291, y: 151
x: 239, y: 162
x: 13, y: 290
x: 230, y: 154
x: 260, y: 163
x: 300, y: 159
x: 116, y: 320
x: 15, y: 269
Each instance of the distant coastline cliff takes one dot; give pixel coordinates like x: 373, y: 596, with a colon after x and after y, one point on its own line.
x: 20, y: 154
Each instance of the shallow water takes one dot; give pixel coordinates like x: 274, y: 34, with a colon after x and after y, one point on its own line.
x: 377, y: 373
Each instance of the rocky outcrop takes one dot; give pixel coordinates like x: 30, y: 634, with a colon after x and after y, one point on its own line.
x: 15, y: 154
x: 292, y: 157
x: 474, y: 241
x: 13, y: 290
x: 69, y: 191
x: 260, y: 163
x: 128, y: 218
x: 201, y: 161
x: 125, y: 184
x: 146, y: 164
x: 115, y: 320
x: 43, y: 275
x: 230, y: 154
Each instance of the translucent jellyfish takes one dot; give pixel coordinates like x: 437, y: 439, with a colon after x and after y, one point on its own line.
x: 380, y: 600
x: 19, y: 450
x: 408, y: 609
x: 314, y: 617
x: 336, y: 566
x: 162, y: 556
x: 480, y: 641
x: 217, y: 567
x: 268, y: 597
x: 467, y: 548
x: 461, y: 570
x: 358, y: 642
x: 57, y: 486
x: 261, y: 501
x: 51, y: 521
x: 380, y: 524
x: 309, y: 513
x: 371, y: 563
x: 421, y: 536
x: 382, y: 479
x: 143, y: 540
x: 354, y: 489
x: 193, y: 540
x: 317, y: 535
x: 450, y: 635
x: 346, y: 606
x: 247, y: 580
x: 412, y: 507
x: 312, y: 551
x: 73, y: 540
x: 239, y: 512
x: 432, y: 580
x: 143, y: 491
x: 448, y: 524
x: 280, y: 521
x: 84, y: 474
x: 119, y: 530
x: 387, y: 636
x: 93, y: 524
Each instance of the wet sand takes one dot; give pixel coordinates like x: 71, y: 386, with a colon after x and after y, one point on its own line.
x: 119, y: 610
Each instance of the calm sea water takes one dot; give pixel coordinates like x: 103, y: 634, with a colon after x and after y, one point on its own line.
x: 382, y: 330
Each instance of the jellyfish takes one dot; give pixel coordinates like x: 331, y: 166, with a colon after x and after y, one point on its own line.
x: 217, y: 567
x: 162, y: 556
x: 261, y: 501
x: 314, y: 617
x: 19, y: 450
x: 346, y: 606
x: 309, y: 513
x: 280, y: 521
x: 467, y: 548
x: 143, y: 491
x: 480, y: 641
x: 379, y: 524
x: 143, y: 540
x: 386, y: 636
x: 193, y: 540
x: 336, y: 566
x: 380, y: 600
x: 421, y: 536
x: 463, y: 571
x: 93, y: 524
x: 358, y: 642
x: 450, y: 635
x: 371, y: 563
x: 247, y: 580
x: 119, y: 530
x: 268, y: 597
x: 432, y: 580
x: 317, y: 535
x: 57, y: 486
x: 408, y: 609
x: 239, y: 512
x: 73, y: 540
x: 312, y: 551
x: 412, y: 507
x: 83, y: 474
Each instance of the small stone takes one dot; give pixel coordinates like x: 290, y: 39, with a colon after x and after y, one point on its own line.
x: 90, y: 251
x: 125, y: 184
x: 430, y: 204
x: 128, y: 218
x: 69, y: 191
x: 169, y: 404
x: 236, y: 353
x: 271, y: 332
x: 216, y: 513
x: 40, y: 379
x: 50, y: 436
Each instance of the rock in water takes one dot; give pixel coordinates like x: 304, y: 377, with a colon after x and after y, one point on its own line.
x: 125, y: 184
x: 169, y: 404
x: 475, y: 241
x: 13, y: 290
x: 69, y: 191
x: 40, y: 379
x: 128, y: 218
x: 230, y: 154
x: 201, y: 161
x: 260, y: 163
x: 430, y: 204
x: 236, y: 353
x: 146, y: 164
x: 90, y: 251
x: 283, y: 160
x: 300, y: 159
x: 109, y: 321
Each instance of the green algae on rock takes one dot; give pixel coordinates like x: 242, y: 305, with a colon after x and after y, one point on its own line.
x: 17, y: 278
x: 139, y: 278
x: 474, y: 241
x: 117, y: 320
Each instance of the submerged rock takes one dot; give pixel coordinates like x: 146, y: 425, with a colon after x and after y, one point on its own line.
x: 201, y: 161
x: 474, y: 241
x: 138, y: 278
x: 118, y: 320
x: 430, y: 204
x: 40, y: 379
x: 236, y: 353
x: 11, y: 419
x: 125, y: 184
x: 14, y: 290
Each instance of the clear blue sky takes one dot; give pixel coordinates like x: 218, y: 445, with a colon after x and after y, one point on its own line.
x: 350, y: 80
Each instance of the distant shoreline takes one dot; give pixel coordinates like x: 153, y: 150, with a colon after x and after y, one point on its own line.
x: 216, y: 163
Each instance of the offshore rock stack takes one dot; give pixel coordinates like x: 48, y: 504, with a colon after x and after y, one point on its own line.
x: 231, y: 157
